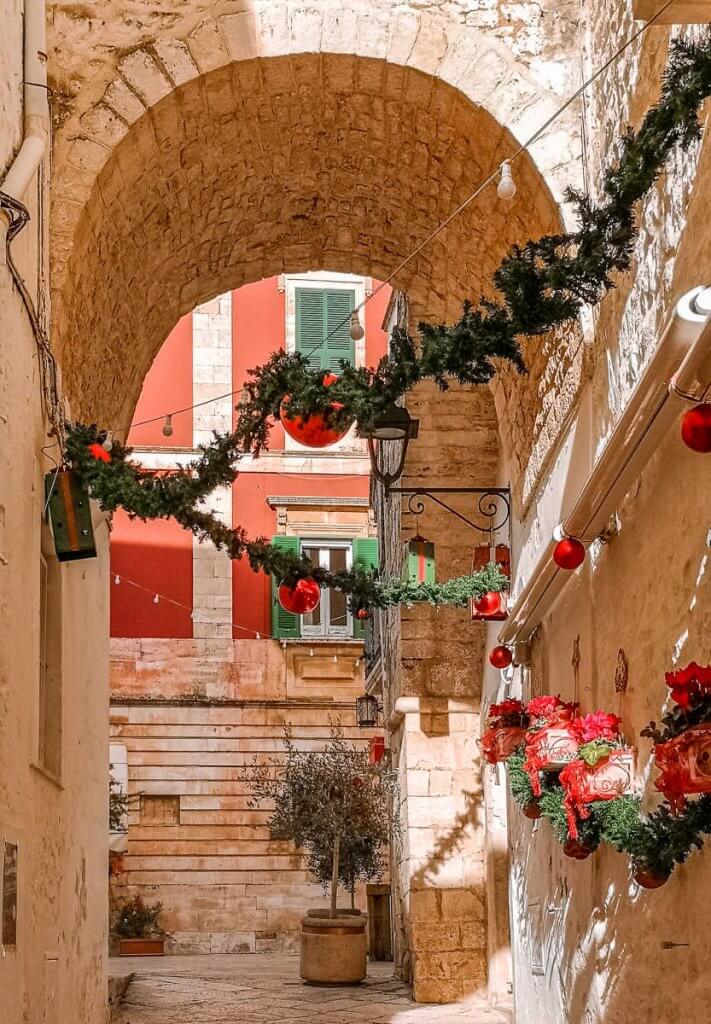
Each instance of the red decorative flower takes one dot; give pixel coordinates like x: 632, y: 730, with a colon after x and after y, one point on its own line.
x: 506, y: 707
x: 687, y: 683
x: 549, y: 707
x: 600, y: 725
x: 99, y: 452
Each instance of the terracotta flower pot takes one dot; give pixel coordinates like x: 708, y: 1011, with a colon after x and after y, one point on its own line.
x: 141, y: 947
x: 648, y: 878
x: 576, y: 850
x: 333, y: 949
x: 532, y: 810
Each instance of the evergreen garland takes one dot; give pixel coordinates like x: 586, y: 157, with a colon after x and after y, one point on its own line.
x: 543, y: 285
x: 657, y: 840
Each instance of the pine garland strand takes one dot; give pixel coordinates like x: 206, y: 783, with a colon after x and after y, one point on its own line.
x: 542, y: 285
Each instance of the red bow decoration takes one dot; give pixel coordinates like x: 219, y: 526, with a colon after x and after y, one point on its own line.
x: 99, y: 452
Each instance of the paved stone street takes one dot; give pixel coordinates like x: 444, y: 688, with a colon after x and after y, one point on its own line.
x: 263, y: 989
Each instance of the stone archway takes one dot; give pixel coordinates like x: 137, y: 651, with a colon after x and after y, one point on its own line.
x: 217, y: 160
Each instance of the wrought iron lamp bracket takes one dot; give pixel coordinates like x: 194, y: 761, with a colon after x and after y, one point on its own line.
x: 494, y: 504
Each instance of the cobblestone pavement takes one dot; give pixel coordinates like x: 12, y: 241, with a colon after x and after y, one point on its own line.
x: 265, y: 989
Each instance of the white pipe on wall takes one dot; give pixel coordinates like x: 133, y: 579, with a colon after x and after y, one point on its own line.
x: 678, y: 372
x: 36, y: 105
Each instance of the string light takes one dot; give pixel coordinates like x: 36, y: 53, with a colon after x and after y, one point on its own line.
x: 117, y: 579
x: 156, y: 599
x: 168, y: 426
x: 506, y: 189
x: 357, y: 331
x: 108, y: 442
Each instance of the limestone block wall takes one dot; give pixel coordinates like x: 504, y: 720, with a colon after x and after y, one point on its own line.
x: 55, y: 969
x: 588, y: 943
x: 193, y: 716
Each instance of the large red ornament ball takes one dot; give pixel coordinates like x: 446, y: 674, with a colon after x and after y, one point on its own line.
x: 696, y: 428
x: 500, y: 657
x: 489, y: 603
x: 532, y: 810
x: 300, y: 599
x: 362, y: 614
x: 569, y: 553
x: 313, y: 431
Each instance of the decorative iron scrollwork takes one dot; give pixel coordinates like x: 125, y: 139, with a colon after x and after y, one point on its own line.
x: 494, y: 504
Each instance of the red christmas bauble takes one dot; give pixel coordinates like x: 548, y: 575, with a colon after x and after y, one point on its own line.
x: 577, y: 850
x: 99, y: 453
x: 362, y: 614
x: 313, y: 431
x: 648, y: 878
x: 532, y: 810
x: 300, y: 599
x: 489, y: 603
x: 569, y: 553
x: 500, y: 657
x: 696, y: 428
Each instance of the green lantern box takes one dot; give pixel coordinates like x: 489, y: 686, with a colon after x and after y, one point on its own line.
x: 69, y: 512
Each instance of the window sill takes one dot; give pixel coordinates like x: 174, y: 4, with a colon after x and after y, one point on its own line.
x: 47, y: 774
x: 322, y: 641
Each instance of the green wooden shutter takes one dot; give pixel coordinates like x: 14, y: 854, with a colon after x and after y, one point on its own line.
x: 340, y: 346
x: 285, y: 625
x: 366, y: 554
x: 318, y: 312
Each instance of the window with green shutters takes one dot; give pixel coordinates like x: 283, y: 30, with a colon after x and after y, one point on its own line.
x: 284, y: 625
x: 321, y: 312
x: 332, y: 618
x: 366, y: 554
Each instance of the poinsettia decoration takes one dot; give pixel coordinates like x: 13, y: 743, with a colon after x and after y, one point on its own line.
x: 550, y: 740
x: 682, y: 746
x: 603, y: 769
x: 506, y: 729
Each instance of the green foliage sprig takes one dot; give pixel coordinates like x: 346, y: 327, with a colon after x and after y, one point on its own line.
x: 541, y: 285
x: 119, y: 483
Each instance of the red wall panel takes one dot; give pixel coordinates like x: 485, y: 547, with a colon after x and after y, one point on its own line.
x: 157, y: 555
x: 258, y: 329
x: 168, y: 386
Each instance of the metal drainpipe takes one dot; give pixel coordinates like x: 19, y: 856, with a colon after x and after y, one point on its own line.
x: 36, y: 104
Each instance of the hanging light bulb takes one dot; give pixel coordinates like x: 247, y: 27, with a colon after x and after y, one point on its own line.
x: 108, y: 442
x: 168, y: 426
x: 357, y: 331
x: 506, y: 188
x: 258, y: 636
x: 117, y: 579
x: 156, y: 599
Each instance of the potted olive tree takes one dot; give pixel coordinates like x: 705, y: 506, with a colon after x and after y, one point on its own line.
x: 136, y: 926
x: 334, y: 805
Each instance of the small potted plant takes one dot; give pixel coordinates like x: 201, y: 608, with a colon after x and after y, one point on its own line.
x: 137, y: 928
x: 550, y: 740
x: 335, y: 806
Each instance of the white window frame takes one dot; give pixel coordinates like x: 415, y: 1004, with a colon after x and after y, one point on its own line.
x: 325, y: 631
x: 362, y: 286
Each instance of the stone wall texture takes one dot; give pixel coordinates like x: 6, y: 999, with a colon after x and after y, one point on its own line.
x: 587, y: 942
x: 190, y: 718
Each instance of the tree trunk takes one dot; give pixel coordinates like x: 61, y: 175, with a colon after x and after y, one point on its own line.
x: 334, y: 874
x: 353, y: 894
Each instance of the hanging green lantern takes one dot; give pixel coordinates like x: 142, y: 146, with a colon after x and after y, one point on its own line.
x: 70, y: 515
x: 419, y: 560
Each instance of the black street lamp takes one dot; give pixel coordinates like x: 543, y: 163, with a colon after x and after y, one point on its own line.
x: 394, y: 425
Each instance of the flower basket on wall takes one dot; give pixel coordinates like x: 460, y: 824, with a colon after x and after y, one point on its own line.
x: 583, y: 783
x: 506, y: 731
x: 682, y: 749
x: 551, y: 741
